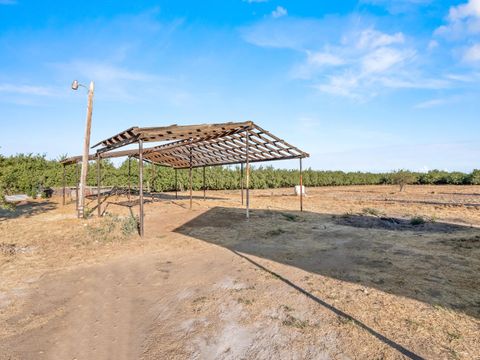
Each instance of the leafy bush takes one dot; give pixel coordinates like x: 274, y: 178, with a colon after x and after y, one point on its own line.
x: 417, y: 220
x: 402, y: 178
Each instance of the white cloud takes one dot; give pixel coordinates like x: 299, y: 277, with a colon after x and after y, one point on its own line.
x: 431, y: 103
x: 412, y: 81
x: 112, y: 81
x: 383, y: 59
x: 371, y: 38
x: 291, y: 32
x: 432, y: 44
x: 465, y: 78
x: 105, y: 72
x: 364, y: 64
x: 462, y: 20
x: 462, y: 11
x: 348, y: 57
x: 342, y: 85
x: 26, y: 90
x: 324, y: 58
x: 472, y: 54
x: 279, y: 12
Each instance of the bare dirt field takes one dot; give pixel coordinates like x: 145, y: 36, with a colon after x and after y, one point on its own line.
x: 365, y: 272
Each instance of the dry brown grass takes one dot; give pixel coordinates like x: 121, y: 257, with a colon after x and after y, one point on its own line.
x: 359, y: 251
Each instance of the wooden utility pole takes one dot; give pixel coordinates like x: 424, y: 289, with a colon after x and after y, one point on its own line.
x: 86, y: 147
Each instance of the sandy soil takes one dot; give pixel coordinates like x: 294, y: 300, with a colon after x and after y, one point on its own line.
x: 352, y: 277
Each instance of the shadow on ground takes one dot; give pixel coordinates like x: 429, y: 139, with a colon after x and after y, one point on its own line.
x: 27, y: 209
x: 436, y: 263
x: 153, y: 195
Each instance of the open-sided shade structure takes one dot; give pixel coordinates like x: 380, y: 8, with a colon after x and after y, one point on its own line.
x: 194, y: 146
x: 215, y: 144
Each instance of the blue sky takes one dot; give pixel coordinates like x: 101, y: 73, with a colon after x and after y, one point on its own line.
x: 361, y: 85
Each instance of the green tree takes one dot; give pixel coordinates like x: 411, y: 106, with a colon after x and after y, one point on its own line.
x: 402, y: 178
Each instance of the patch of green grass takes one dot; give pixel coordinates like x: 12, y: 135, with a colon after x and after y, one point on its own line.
x: 291, y: 217
x: 87, y: 212
x: 453, y: 353
x: 275, y: 232
x: 439, y: 307
x: 294, y: 322
x: 245, y: 301
x: 417, y: 220
x: 371, y: 211
x: 251, y: 287
x: 412, y: 323
x: 345, y: 320
x: 287, y: 308
x: 347, y: 214
x: 111, y: 228
x: 129, y: 226
x: 199, y: 300
x: 453, y: 336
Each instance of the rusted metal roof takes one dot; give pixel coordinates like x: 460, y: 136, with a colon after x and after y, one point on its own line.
x: 169, y: 133
x: 199, y: 145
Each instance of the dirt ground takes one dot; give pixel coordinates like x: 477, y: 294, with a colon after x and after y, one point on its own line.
x: 365, y: 272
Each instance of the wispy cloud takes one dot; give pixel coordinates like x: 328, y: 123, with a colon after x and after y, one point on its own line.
x: 365, y: 63
x: 116, y: 81
x: 431, y: 103
x: 291, y: 32
x: 471, y: 77
x: 279, y: 12
x: 324, y: 58
x: 382, y: 59
x: 103, y: 71
x: 26, y: 90
x: 347, y: 57
x: 472, y: 54
x: 371, y: 38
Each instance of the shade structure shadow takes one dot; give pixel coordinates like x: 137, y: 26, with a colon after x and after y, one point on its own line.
x: 170, y: 195
x: 435, y: 263
x: 27, y: 209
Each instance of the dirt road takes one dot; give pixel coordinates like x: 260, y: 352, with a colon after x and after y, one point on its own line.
x: 202, y: 306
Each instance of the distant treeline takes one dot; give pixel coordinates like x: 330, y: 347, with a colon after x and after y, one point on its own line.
x: 28, y: 173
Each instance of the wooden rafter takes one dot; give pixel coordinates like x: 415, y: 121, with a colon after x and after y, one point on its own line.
x: 215, y: 144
